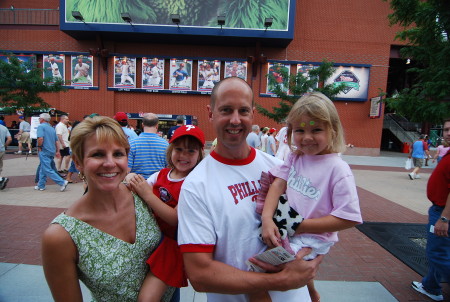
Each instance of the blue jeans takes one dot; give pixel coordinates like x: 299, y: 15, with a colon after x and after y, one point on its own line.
x: 47, y: 170
x: 438, y: 254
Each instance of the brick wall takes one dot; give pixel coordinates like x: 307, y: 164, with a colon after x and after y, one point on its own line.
x: 354, y: 32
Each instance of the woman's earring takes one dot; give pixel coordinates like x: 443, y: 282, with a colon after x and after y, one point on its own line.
x: 81, y: 176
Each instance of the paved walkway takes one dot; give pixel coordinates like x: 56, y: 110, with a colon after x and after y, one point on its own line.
x: 356, y: 269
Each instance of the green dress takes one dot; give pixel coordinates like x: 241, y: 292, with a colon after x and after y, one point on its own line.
x: 111, y: 268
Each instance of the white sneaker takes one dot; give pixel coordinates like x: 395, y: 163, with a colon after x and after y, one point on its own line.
x: 411, y: 175
x: 417, y: 176
x: 64, y: 186
x: 18, y: 152
x: 419, y: 287
x: 37, y: 188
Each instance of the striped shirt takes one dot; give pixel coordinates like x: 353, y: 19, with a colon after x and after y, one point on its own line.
x: 147, y: 154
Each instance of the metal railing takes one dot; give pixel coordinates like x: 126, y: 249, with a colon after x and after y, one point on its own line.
x: 404, y: 136
x: 29, y: 16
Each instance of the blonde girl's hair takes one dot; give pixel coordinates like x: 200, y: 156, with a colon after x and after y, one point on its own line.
x: 188, y: 141
x: 106, y: 129
x: 318, y: 106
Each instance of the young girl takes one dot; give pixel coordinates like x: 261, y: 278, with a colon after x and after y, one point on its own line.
x: 161, y: 191
x: 319, y: 185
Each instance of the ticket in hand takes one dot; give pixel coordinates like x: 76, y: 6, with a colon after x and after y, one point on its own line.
x: 275, y: 256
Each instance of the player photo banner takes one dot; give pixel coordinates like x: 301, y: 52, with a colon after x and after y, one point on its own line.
x: 208, y: 75
x: 29, y: 61
x: 304, y: 69
x: 82, y: 68
x: 152, y: 73
x: 356, y: 80
x: 124, y: 72
x: 236, y: 69
x: 279, y: 72
x: 180, y: 75
x: 53, y: 67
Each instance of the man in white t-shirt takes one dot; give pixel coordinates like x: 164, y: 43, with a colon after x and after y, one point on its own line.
x: 62, y: 163
x: 218, y: 224
x: 283, y: 147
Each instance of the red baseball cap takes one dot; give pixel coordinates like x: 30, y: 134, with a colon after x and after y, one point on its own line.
x: 121, y: 116
x: 189, y: 130
x: 272, y: 130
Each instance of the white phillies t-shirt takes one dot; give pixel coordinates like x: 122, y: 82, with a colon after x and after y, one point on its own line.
x: 216, y: 213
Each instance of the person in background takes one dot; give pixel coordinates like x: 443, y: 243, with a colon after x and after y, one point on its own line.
x: 441, y: 151
x: 271, y: 146
x: 48, y: 146
x: 122, y: 119
x: 419, y: 150
x: 5, y: 140
x: 148, y: 151
x: 253, y: 138
x: 218, y: 224
x: 438, y: 240
x: 62, y: 162
x: 180, y: 122
x: 23, y: 135
x: 264, y: 137
x: 2, y: 120
x: 283, y: 146
x: 104, y: 237
x: 14, y: 125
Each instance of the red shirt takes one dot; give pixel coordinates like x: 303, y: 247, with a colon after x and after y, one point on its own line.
x: 169, y: 192
x: 438, y: 186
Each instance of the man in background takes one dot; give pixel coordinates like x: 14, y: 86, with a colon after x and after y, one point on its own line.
x: 180, y: 121
x: 148, y: 151
x: 122, y: 119
x: 253, y: 137
x: 23, y: 136
x: 5, y: 140
x: 48, y: 147
x: 62, y: 162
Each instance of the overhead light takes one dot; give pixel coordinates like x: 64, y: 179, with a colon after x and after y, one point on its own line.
x: 221, y: 21
x: 175, y: 19
x: 77, y: 15
x: 126, y: 17
x: 408, y: 61
x: 268, y: 22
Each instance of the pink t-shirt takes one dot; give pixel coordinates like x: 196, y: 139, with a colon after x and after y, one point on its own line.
x: 320, y: 185
x: 441, y: 150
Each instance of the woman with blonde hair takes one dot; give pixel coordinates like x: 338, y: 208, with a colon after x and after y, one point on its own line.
x: 104, y: 237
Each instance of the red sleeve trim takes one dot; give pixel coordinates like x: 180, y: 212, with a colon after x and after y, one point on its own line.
x: 197, y: 248
x: 235, y: 162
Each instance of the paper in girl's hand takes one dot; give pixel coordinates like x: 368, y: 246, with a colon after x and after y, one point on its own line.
x: 275, y: 256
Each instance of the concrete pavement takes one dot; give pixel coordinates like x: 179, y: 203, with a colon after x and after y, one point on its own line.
x: 382, y: 176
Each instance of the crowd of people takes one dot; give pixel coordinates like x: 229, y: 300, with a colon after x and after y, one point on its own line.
x: 158, y: 212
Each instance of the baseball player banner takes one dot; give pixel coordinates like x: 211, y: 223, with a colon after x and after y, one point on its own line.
x: 280, y: 73
x: 124, y: 72
x: 53, y: 67
x: 180, y: 74
x: 29, y: 61
x: 236, y: 69
x: 305, y: 68
x: 208, y: 74
x: 82, y: 68
x: 356, y: 80
x: 152, y: 73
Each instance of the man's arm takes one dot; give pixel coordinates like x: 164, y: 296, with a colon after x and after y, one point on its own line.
x: 8, y: 140
x: 440, y: 227
x: 209, y: 275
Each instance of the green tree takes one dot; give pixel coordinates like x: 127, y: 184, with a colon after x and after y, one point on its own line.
x: 298, y: 85
x: 20, y: 86
x: 426, y: 28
